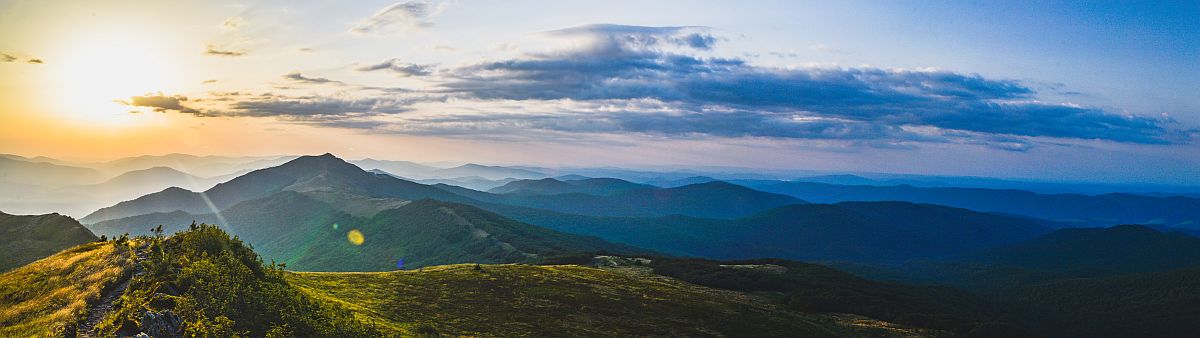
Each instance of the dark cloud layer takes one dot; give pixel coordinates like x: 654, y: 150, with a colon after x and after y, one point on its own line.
x: 313, y: 105
x: 341, y: 111
x: 623, y: 64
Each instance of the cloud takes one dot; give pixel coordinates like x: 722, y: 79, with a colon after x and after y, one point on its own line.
x: 234, y: 23
x: 400, y: 67
x: 662, y: 82
x: 314, y: 105
x: 160, y: 103
x: 336, y: 111
x: 216, y: 50
x: 297, y: 77
x: 630, y: 63
x: 209, y: 81
x: 400, y: 16
x: 611, y: 37
x: 5, y: 57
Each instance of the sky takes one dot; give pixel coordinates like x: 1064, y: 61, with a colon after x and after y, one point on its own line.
x: 1063, y: 91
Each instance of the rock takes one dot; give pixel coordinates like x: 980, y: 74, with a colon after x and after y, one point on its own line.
x: 161, y: 325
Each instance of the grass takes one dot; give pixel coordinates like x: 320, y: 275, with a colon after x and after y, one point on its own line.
x: 523, y: 300
x: 49, y: 296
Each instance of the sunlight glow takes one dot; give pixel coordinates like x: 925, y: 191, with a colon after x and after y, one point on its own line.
x: 96, y: 70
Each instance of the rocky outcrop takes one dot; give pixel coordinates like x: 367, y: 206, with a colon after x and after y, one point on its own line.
x: 163, y: 324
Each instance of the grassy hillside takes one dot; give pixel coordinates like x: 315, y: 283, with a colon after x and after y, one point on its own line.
x: 25, y: 239
x: 201, y: 282
x: 522, y: 300
x: 48, y: 297
x: 816, y: 288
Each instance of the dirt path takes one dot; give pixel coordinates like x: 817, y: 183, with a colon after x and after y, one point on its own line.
x: 98, y: 311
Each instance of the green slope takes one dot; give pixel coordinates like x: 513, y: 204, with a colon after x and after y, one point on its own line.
x: 1158, y: 304
x: 25, y: 239
x: 817, y: 288
x: 865, y: 232
x: 568, y: 301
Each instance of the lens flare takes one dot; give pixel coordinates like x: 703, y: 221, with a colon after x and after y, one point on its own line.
x: 355, y: 237
x: 335, y: 226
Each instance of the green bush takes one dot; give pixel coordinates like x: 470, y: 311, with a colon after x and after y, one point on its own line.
x: 220, y: 288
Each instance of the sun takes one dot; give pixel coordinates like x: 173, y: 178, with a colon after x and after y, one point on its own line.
x: 94, y: 72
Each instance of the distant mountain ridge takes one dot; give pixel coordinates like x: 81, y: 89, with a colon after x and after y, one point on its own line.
x: 417, y: 171
x: 552, y: 186
x: 45, y: 173
x: 1081, y: 210
x: 711, y: 200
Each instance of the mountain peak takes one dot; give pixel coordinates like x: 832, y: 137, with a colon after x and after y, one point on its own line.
x: 175, y: 190
x: 324, y: 161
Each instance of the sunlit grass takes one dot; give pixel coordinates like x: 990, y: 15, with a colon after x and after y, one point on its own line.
x: 524, y: 300
x: 46, y: 297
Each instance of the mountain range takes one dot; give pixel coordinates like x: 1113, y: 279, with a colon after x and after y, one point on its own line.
x: 714, y: 219
x: 553, y: 186
x: 300, y: 213
x: 1069, y: 209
